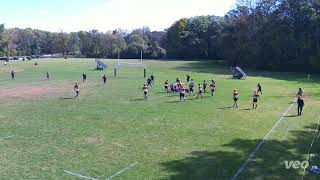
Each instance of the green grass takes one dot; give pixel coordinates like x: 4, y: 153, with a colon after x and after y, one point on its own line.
x: 111, y: 127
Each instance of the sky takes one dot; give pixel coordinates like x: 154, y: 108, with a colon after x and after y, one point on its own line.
x: 105, y: 15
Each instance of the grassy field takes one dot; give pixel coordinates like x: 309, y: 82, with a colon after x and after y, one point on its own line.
x: 45, y: 132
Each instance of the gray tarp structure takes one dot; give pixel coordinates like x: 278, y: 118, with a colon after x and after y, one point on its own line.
x: 101, y: 65
x: 238, y: 73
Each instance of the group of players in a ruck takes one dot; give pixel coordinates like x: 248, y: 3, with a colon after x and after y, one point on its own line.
x: 179, y: 87
x: 189, y: 88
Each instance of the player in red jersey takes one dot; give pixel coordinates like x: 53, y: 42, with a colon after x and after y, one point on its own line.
x: 213, y: 87
x: 182, y: 92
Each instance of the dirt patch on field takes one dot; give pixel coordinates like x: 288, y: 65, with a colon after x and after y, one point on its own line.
x: 90, y: 140
x: 24, y: 91
x: 9, y: 69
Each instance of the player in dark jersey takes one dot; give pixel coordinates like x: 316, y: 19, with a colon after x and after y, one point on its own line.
x: 235, y: 98
x: 76, y: 88
x: 47, y: 76
x: 204, y: 85
x: 259, y: 88
x: 104, y: 78
x: 145, y: 89
x: 300, y: 103
x: 191, y: 87
x: 177, y: 80
x: 172, y: 88
x: 13, y: 75
x: 84, y: 77
x: 152, y: 79
x: 188, y: 77
x: 149, y: 82
x: 166, y: 86
x: 255, y: 96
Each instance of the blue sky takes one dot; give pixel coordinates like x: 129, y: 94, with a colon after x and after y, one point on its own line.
x: 104, y: 15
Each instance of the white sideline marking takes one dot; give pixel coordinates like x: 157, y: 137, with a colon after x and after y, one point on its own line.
x: 242, y: 168
x: 8, y: 137
x: 79, y: 175
x: 304, y: 170
x: 118, y: 173
x: 294, y: 126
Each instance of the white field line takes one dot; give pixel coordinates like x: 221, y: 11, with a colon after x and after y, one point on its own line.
x: 252, y: 155
x: 119, y: 172
x: 314, y: 136
x: 294, y: 126
x: 79, y: 175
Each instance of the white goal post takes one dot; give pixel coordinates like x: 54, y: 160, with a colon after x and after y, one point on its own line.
x: 119, y: 65
x: 139, y: 64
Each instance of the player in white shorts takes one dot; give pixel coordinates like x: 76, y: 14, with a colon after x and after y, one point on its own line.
x: 76, y: 88
x: 145, y: 91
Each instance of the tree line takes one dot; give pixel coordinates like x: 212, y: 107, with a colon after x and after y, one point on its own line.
x: 262, y: 34
x: 93, y: 44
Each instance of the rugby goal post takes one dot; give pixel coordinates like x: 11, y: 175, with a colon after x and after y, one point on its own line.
x: 137, y: 64
x: 119, y: 65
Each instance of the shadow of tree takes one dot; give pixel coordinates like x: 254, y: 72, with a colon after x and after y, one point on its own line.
x: 212, y: 67
x: 66, y: 98
x: 205, y: 67
x: 267, y: 164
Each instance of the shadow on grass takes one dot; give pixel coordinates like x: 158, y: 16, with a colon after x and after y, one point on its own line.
x: 138, y: 99
x: 247, y: 109
x: 268, y: 162
x: 205, y: 67
x: 96, y: 70
x: 203, y: 97
x: 101, y: 85
x: 213, y: 68
x: 174, y: 102
x: 172, y: 95
x: 228, y: 107
x: 312, y: 127
x: 66, y: 98
x: 291, y: 116
x: 161, y: 92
